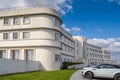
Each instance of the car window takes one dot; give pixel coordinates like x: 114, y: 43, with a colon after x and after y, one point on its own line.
x: 102, y: 66
x: 111, y: 67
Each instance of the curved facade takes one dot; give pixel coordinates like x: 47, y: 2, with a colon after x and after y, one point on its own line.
x: 31, y: 34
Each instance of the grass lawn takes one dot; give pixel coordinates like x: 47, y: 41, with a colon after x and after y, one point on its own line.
x: 40, y: 75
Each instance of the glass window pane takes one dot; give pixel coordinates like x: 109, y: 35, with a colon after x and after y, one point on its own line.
x: 16, y: 20
x: 6, y: 21
x: 25, y: 35
x: 29, y: 54
x: 15, y: 35
x: 15, y: 54
x: 4, y: 54
x: 26, y: 20
x: 5, y: 36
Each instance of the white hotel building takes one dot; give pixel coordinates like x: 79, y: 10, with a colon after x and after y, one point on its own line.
x: 35, y: 34
x: 91, y: 54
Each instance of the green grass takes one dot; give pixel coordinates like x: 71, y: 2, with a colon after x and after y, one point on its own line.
x: 40, y: 75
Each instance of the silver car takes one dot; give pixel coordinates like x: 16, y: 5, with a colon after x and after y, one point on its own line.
x: 102, y: 71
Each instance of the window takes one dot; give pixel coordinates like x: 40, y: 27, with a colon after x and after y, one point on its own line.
x: 15, y: 54
x: 57, y: 23
x: 15, y: 35
x: 26, y: 35
x: 57, y: 57
x: 6, y: 21
x: 26, y: 20
x: 16, y: 20
x: 2, y: 53
x: 5, y: 36
x: 29, y: 54
x: 57, y: 37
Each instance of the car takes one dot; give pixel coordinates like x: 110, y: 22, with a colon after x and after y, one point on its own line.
x: 102, y: 71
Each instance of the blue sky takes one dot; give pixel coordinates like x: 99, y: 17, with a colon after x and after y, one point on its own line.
x: 98, y: 20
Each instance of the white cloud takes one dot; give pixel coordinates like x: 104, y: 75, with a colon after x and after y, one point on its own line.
x: 99, y: 30
x: 116, y: 1
x: 73, y: 30
x: 63, y: 6
x: 112, y: 44
x: 76, y: 31
x: 67, y: 29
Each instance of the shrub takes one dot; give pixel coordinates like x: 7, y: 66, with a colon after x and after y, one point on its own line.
x: 66, y: 64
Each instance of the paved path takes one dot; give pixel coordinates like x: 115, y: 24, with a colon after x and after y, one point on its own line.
x: 77, y: 76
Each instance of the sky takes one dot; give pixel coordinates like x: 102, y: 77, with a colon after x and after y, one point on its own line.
x: 98, y: 20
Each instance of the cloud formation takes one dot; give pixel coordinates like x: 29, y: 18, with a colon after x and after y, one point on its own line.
x: 73, y: 30
x: 63, y: 6
x: 115, y: 1
x: 112, y: 44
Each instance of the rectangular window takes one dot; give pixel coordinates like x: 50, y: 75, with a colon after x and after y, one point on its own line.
x: 16, y: 21
x: 5, y: 36
x: 57, y: 23
x: 15, y: 35
x: 57, y: 37
x: 6, y: 21
x: 26, y: 35
x: 15, y: 54
x: 2, y: 53
x: 29, y: 54
x: 57, y: 57
x: 26, y: 20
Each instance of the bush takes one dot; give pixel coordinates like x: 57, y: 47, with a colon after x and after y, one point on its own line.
x: 66, y: 64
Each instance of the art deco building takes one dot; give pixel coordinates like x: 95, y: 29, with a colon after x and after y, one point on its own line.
x: 35, y: 34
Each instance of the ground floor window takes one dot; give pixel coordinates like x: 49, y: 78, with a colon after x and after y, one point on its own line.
x: 2, y: 53
x: 29, y: 54
x: 15, y: 54
x: 57, y: 57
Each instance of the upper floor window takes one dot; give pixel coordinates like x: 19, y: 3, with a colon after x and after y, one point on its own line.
x: 16, y: 21
x: 15, y: 54
x: 26, y: 20
x: 57, y: 23
x: 5, y: 36
x: 29, y: 54
x: 26, y: 35
x: 6, y: 21
x: 15, y: 35
x: 57, y: 37
x: 2, y: 53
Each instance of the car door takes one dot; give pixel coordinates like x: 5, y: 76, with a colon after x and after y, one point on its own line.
x: 101, y: 71
x: 112, y: 70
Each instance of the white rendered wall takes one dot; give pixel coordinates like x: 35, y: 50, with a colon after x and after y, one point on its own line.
x: 8, y: 66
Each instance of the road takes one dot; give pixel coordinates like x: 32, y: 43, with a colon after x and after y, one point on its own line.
x: 77, y: 76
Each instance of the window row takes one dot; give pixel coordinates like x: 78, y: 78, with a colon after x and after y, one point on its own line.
x: 95, y: 55
x: 94, y: 50
x: 67, y: 48
x: 16, y: 20
x: 66, y: 60
x: 67, y: 40
x: 95, y: 63
x: 57, y: 37
x: 15, y: 35
x: 15, y: 54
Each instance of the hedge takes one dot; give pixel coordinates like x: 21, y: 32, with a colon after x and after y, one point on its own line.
x: 66, y: 64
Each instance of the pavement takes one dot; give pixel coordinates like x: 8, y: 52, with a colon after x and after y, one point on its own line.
x: 77, y: 76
